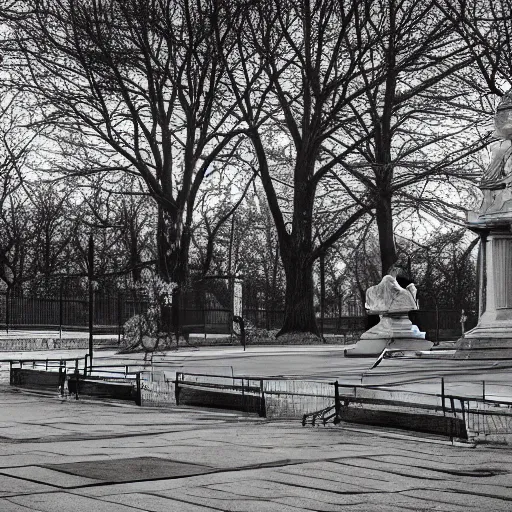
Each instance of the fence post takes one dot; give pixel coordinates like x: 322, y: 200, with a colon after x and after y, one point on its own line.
x: 61, y: 310
x: 85, y: 364
x: 138, y: 397
x: 442, y: 395
x: 337, y: 405
x: 322, y: 294
x: 483, y: 390
x: 243, y: 397
x: 462, y: 408
x: 437, y: 322
x: 7, y: 319
x: 90, y: 274
x: 177, y: 389
x: 263, y: 407
x: 10, y: 373
x: 61, y: 380
x: 119, y: 317
x: 77, y: 380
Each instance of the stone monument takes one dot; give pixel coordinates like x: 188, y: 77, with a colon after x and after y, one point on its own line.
x: 394, y: 331
x: 492, y: 337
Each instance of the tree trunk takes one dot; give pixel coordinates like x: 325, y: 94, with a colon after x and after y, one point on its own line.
x: 299, y: 313
x: 173, y: 249
x: 384, y: 216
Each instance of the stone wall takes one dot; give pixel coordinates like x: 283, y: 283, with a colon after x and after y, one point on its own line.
x: 40, y: 343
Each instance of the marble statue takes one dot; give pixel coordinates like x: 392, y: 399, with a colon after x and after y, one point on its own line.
x: 395, y: 330
x: 492, y: 337
x: 499, y: 173
x: 496, y: 183
x: 389, y: 297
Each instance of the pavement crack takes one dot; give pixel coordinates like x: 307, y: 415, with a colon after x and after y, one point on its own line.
x: 32, y: 480
x: 478, y: 472
x: 181, y: 500
x: 24, y: 507
x: 398, y: 473
x: 341, y: 493
x: 336, y: 480
x: 480, y: 494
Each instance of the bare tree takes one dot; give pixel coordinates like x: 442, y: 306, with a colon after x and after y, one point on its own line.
x: 16, y: 143
x: 139, y: 80
x: 420, y: 121
x: 295, y: 71
x: 486, y: 28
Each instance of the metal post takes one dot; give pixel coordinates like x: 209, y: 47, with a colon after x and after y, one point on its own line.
x: 177, y: 389
x: 62, y: 378
x: 119, y: 317
x: 437, y: 321
x: 77, y: 382
x: 85, y: 364
x: 340, y: 300
x: 61, y: 310
x: 337, y: 405
x: 243, y: 397
x: 138, y: 398
x: 483, y: 390
x: 263, y: 408
x: 7, y: 318
x: 90, y: 256
x: 10, y: 373
x: 442, y: 395
x: 322, y: 293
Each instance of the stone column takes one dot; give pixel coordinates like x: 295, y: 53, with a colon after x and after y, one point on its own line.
x: 496, y: 278
x: 492, y: 337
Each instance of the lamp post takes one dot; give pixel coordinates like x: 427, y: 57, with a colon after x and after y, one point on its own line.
x: 90, y: 273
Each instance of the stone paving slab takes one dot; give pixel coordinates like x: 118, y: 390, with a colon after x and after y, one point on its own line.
x: 259, y: 465
x: 152, y: 503
x: 64, y: 501
x: 10, y: 486
x: 127, y: 469
x: 52, y: 477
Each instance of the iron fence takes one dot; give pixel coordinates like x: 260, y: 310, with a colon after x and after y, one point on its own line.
x: 111, y: 312
x: 263, y: 318
x: 474, y: 418
x: 438, y: 324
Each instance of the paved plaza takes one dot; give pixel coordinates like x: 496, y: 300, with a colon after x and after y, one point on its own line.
x: 89, y: 456
x: 62, y: 454
x: 318, y: 362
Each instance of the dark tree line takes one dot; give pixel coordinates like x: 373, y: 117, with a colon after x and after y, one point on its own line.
x: 342, y: 115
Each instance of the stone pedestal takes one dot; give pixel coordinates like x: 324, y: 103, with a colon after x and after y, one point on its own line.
x: 394, y: 331
x: 492, y: 337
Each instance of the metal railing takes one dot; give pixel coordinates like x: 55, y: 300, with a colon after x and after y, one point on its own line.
x: 312, y: 401
x: 18, y: 311
x: 439, y: 324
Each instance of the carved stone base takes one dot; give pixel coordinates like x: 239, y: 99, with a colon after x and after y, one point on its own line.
x: 491, y: 341
x: 394, y: 331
